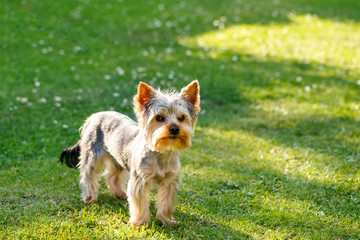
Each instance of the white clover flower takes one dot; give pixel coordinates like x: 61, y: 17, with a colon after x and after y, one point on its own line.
x: 120, y: 71
x: 77, y: 49
x: 125, y: 101
x: 23, y: 100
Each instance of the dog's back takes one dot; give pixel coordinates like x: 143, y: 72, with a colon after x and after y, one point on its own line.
x: 97, y: 135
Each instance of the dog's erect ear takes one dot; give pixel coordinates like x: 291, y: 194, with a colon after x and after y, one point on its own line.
x: 191, y: 94
x: 144, y: 94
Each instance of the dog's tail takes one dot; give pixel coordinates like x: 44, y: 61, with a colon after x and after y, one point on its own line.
x: 71, y: 156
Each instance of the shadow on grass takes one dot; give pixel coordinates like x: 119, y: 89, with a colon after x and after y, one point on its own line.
x: 277, y: 11
x: 244, y: 12
x: 229, y: 13
x: 191, y: 225
x: 327, y: 136
x: 330, y: 133
x: 196, y: 226
x: 264, y: 199
x: 334, y: 137
x: 227, y: 103
x: 329, y: 130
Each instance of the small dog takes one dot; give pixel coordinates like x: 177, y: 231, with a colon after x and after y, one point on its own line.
x: 148, y: 151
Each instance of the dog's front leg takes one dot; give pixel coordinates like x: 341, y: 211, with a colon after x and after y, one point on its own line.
x: 167, y: 196
x: 138, y: 197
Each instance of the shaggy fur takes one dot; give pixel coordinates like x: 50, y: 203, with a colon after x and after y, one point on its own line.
x: 147, y: 152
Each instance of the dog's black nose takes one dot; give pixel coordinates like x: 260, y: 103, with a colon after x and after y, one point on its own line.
x: 174, y: 130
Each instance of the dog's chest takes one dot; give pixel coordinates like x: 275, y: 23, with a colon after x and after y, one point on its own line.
x: 166, y: 171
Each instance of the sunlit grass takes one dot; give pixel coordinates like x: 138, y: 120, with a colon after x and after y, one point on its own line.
x: 276, y: 149
x: 306, y: 39
x: 297, y: 161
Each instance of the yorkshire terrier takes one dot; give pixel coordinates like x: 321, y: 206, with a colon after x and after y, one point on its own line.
x: 147, y: 152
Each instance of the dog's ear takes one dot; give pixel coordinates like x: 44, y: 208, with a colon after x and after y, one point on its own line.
x: 144, y: 94
x: 191, y: 94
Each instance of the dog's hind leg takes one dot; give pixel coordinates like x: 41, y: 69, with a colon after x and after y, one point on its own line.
x: 116, y: 177
x: 91, y: 165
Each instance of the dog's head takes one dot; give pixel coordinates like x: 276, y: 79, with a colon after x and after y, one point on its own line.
x: 167, y: 118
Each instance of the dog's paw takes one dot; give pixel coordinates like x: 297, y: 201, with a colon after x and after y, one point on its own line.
x: 121, y: 195
x: 138, y: 224
x: 88, y: 200
x: 168, y: 222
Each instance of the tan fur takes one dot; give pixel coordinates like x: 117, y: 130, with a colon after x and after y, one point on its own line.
x: 162, y: 141
x: 191, y: 93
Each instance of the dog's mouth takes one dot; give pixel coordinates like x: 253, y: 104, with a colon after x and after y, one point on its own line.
x: 169, y: 142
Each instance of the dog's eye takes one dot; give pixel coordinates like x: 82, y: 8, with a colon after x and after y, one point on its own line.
x: 160, y: 118
x: 182, y: 118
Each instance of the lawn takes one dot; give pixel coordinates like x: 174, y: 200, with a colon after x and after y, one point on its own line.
x: 276, y: 154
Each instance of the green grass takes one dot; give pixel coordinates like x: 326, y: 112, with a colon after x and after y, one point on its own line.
x: 276, y: 152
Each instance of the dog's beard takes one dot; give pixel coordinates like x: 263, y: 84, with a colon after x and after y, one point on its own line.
x: 162, y: 140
